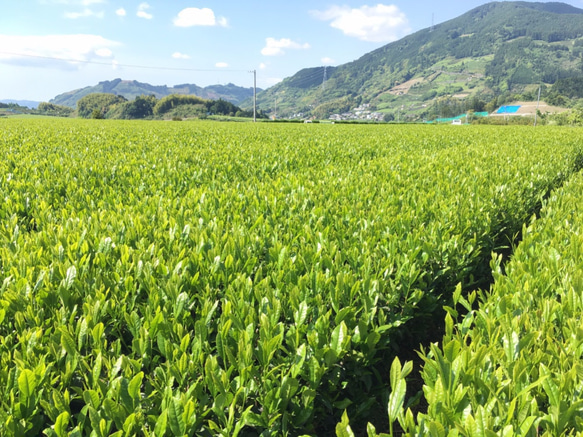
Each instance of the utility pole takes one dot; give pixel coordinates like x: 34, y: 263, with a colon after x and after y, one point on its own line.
x: 537, y: 102
x: 254, y: 96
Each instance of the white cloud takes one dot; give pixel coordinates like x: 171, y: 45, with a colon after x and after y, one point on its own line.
x: 380, y: 23
x: 142, y: 8
x: 104, y: 52
x: 178, y: 55
x: 86, y: 13
x: 121, y: 12
x: 75, y: 2
x: 221, y: 65
x: 38, y: 51
x: 262, y: 66
x: 190, y: 17
x: 327, y: 61
x: 275, y: 47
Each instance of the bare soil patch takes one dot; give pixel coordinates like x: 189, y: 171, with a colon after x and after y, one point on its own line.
x: 404, y: 87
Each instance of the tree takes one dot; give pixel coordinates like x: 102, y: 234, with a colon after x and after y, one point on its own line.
x: 101, y: 102
x: 97, y: 115
x: 167, y: 103
x: 52, y: 109
x: 141, y: 107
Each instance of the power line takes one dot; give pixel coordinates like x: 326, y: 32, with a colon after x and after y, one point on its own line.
x: 150, y: 68
x: 147, y: 67
x: 310, y: 78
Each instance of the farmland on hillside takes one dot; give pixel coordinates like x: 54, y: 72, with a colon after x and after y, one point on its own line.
x: 241, y: 279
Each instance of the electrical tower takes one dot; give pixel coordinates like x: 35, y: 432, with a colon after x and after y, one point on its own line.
x: 325, y: 78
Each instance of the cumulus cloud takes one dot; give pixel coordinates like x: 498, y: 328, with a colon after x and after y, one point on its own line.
x: 178, y: 55
x: 104, y: 53
x: 380, y: 23
x: 84, y: 14
x: 221, y: 65
x: 190, y: 17
x: 142, y: 11
x: 46, y: 51
x: 74, y: 2
x: 121, y: 12
x: 327, y: 61
x: 262, y: 66
x: 276, y: 47
x: 73, y: 15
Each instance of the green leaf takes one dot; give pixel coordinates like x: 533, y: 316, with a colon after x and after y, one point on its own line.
x: 135, y: 385
x: 338, y: 336
x: 91, y: 397
x: 129, y: 424
x: 126, y: 400
x: 161, y: 424
x: 315, y: 371
x: 175, y: 412
x: 70, y: 277
x: 96, y: 373
x: 526, y: 425
x: 301, y: 314
x: 60, y: 400
x: 549, y: 386
x: 436, y: 429
x: 26, y: 385
x: 61, y: 424
x: 343, y: 428
x: 398, y: 391
x: 82, y: 334
x: 68, y: 343
x: 508, y: 431
x: 481, y: 422
x: 299, y: 360
x: 253, y: 419
x: 104, y: 427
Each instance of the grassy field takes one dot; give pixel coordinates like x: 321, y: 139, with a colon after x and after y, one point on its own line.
x: 247, y: 279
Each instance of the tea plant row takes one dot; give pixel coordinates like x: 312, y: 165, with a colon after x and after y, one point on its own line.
x: 206, y: 279
x: 510, y: 363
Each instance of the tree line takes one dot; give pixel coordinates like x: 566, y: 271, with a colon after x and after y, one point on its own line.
x: 104, y: 105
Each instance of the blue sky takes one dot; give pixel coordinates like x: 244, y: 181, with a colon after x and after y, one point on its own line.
x: 203, y: 42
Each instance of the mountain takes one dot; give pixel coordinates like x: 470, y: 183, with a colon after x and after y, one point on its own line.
x: 27, y: 103
x: 131, y: 89
x: 498, y: 49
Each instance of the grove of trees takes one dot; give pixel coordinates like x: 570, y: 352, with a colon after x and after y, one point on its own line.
x: 104, y: 105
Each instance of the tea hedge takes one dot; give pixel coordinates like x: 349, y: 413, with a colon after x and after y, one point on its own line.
x: 512, y: 364
x: 218, y: 279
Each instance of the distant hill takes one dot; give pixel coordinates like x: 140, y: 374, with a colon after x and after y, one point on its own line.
x: 498, y: 49
x: 28, y: 103
x: 131, y: 89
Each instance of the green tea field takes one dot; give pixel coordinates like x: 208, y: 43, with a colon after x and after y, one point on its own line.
x: 203, y: 279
